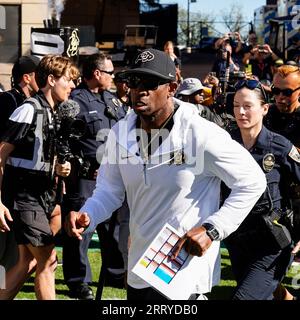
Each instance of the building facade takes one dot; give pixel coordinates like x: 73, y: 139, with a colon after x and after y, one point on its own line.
x: 16, y: 19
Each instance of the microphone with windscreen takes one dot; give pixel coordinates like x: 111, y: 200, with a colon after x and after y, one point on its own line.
x: 68, y: 109
x: 68, y: 128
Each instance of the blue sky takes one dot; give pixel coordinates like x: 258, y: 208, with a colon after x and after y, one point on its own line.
x: 217, y: 6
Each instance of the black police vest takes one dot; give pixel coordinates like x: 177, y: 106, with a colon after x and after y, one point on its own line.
x: 41, y: 137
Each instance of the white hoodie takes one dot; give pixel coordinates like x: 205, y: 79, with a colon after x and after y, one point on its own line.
x: 184, y: 195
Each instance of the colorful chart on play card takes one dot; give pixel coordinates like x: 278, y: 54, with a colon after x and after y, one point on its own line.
x: 156, y: 267
x: 157, y: 257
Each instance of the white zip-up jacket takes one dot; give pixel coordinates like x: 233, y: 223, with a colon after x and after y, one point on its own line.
x: 182, y: 190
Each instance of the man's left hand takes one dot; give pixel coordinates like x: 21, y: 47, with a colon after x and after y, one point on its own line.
x: 195, y: 242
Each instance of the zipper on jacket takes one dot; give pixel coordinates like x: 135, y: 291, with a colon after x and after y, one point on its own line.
x: 145, y: 173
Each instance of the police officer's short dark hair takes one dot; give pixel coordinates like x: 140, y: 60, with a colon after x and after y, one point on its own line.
x: 93, y: 62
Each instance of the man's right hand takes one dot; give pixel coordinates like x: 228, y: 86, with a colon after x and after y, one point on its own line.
x: 4, y: 212
x: 76, y: 223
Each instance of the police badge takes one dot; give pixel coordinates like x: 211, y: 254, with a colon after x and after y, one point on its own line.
x: 268, y: 162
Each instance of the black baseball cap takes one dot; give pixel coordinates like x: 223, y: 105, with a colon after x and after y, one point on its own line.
x: 153, y: 62
x: 119, y: 77
x: 24, y: 65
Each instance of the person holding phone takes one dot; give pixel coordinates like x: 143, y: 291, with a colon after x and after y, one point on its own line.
x: 261, y: 58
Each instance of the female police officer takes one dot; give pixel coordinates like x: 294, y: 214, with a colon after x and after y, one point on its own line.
x: 260, y: 249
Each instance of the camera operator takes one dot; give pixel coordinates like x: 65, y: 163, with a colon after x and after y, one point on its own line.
x: 224, y: 60
x: 27, y: 153
x: 249, y: 44
x: 261, y: 58
x: 100, y: 110
x: 234, y: 39
x: 228, y: 37
x: 223, y: 93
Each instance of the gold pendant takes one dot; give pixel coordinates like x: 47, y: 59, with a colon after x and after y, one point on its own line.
x: 178, y: 158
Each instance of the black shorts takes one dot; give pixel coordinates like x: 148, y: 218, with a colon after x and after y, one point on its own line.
x: 32, y: 226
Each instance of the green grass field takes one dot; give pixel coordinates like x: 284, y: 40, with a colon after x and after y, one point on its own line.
x: 221, y: 292
x: 27, y: 291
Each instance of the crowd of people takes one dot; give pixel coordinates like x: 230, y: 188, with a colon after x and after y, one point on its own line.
x: 216, y: 158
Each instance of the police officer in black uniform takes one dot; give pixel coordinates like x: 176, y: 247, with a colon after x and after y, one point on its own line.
x: 23, y: 86
x: 260, y: 249
x: 100, y: 110
x: 284, y: 118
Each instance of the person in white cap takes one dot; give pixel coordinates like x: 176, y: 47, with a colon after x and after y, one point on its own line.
x: 191, y: 90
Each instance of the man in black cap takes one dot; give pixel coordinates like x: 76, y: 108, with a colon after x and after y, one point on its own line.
x: 122, y: 91
x: 23, y: 86
x: 170, y: 161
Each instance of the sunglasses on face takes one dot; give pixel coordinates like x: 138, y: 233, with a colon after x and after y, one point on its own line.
x: 285, y: 92
x: 251, y: 84
x: 147, y: 83
x: 108, y: 72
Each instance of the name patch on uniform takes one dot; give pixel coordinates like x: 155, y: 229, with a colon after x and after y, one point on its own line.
x: 294, y: 154
x: 268, y: 162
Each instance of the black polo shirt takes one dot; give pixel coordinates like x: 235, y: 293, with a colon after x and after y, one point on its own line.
x: 9, y: 101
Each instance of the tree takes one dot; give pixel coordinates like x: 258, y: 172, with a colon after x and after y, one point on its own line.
x: 197, y: 20
x: 233, y: 18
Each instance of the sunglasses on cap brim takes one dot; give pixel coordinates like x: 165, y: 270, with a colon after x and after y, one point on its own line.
x: 251, y: 84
